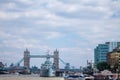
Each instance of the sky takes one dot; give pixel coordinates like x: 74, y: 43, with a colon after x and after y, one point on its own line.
x: 74, y: 27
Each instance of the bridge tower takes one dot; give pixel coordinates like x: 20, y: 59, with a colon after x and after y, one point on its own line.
x: 27, y: 59
x: 56, y: 59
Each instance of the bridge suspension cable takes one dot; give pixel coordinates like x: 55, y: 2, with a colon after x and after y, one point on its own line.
x: 67, y: 65
x: 18, y: 63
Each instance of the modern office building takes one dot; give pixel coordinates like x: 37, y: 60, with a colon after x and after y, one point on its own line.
x: 112, y: 45
x: 101, y: 51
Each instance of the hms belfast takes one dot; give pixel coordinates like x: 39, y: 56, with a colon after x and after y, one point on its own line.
x: 47, y: 69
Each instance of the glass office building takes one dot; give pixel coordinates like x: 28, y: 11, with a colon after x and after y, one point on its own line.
x: 100, y: 52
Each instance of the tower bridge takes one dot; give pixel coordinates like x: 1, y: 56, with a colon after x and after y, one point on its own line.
x: 55, y: 56
x: 27, y: 56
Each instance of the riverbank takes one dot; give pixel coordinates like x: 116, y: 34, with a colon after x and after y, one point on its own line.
x: 28, y: 77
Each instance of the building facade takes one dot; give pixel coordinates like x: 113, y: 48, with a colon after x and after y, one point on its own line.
x: 101, y: 51
x: 113, y: 57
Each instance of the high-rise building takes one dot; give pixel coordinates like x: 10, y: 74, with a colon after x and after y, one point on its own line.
x: 101, y: 51
x: 112, y: 45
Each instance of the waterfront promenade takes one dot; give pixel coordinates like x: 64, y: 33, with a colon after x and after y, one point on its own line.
x: 28, y: 77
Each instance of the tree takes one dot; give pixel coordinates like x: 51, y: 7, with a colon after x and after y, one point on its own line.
x: 103, y: 65
x: 34, y: 69
x: 115, y: 67
x: 1, y: 65
x: 11, y: 65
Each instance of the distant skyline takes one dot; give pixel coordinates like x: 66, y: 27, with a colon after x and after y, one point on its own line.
x: 74, y: 27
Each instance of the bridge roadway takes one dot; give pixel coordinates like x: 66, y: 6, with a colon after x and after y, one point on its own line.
x: 41, y: 56
x: 36, y: 56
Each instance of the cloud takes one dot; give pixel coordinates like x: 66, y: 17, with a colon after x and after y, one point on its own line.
x: 80, y: 55
x: 82, y: 9
x: 75, y: 27
x: 8, y: 16
x: 26, y: 1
